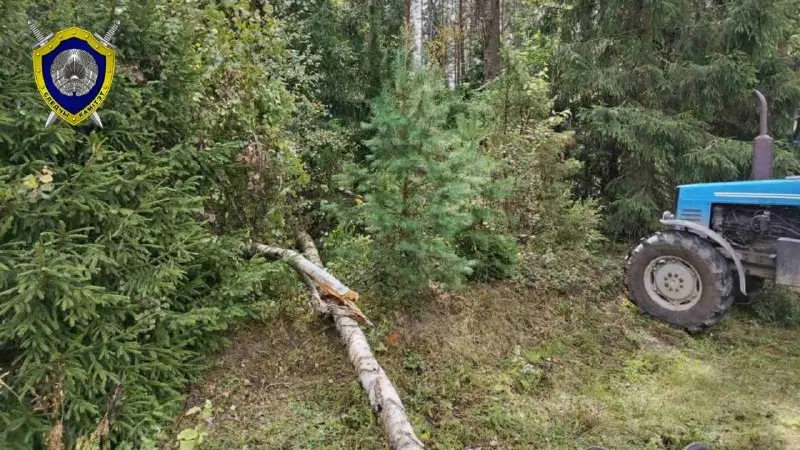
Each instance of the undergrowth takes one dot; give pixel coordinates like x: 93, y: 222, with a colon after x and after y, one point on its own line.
x: 778, y: 305
x: 515, y: 366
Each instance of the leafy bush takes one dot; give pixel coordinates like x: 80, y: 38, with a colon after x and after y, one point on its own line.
x: 349, y: 256
x: 107, y: 279
x: 243, y: 93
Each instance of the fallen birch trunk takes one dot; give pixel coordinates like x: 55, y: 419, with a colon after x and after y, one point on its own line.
x: 317, y: 276
x: 382, y: 395
x: 326, y: 281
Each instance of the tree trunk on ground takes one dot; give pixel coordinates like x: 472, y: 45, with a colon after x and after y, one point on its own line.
x: 491, y: 39
x: 317, y: 276
x: 382, y: 395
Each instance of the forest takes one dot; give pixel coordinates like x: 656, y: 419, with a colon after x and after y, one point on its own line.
x: 283, y: 190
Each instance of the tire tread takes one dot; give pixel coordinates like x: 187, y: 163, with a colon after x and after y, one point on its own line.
x: 716, y: 263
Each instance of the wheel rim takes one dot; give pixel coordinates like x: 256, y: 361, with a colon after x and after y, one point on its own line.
x: 673, y: 283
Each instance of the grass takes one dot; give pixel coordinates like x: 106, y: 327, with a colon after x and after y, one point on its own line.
x: 501, y: 367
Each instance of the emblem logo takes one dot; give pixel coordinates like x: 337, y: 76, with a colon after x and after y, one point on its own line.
x: 73, y: 69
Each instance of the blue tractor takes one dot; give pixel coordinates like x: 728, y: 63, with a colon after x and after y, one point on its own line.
x: 722, y: 242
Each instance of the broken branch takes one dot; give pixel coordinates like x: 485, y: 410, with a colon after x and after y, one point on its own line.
x: 318, y: 276
x: 383, y: 397
x: 327, y: 282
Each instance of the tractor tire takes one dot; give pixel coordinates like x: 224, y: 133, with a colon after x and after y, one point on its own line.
x: 681, y: 279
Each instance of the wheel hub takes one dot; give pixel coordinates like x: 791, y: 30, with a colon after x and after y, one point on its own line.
x: 673, y: 283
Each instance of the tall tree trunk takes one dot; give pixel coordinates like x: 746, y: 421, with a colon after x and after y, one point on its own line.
x: 460, y: 44
x: 416, y: 23
x: 491, y: 40
x: 429, y: 16
x: 451, y: 43
x: 501, y: 13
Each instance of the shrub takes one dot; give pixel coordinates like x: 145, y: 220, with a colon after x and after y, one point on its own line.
x: 495, y: 254
x: 349, y: 256
x: 776, y: 304
x: 558, y: 232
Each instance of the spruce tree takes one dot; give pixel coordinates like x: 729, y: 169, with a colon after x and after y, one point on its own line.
x: 662, y: 93
x: 110, y: 286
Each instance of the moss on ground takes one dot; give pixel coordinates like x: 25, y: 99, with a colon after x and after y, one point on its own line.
x: 500, y: 367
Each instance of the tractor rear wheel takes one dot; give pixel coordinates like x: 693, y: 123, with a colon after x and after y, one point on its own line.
x: 680, y: 278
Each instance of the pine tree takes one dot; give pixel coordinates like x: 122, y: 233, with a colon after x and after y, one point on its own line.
x: 423, y: 175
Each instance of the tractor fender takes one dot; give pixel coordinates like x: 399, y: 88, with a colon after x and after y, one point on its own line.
x: 714, y: 236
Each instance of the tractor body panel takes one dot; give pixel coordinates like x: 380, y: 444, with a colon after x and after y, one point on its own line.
x: 787, y: 270
x: 695, y: 201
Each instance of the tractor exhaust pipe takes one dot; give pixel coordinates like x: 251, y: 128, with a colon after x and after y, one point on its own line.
x: 762, y: 145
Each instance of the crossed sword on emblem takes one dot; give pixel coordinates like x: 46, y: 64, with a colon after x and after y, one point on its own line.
x: 45, y: 39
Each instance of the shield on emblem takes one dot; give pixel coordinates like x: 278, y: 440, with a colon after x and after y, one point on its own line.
x: 73, y: 73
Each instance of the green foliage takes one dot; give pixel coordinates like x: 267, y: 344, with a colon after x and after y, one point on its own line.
x: 541, y: 201
x: 107, y: 278
x: 325, y: 149
x: 252, y: 89
x: 192, y: 438
x: 776, y: 304
x: 421, y: 180
x: 349, y: 44
x: 494, y: 254
x: 350, y: 257
x: 663, y: 93
x: 559, y: 233
x: 343, y: 48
